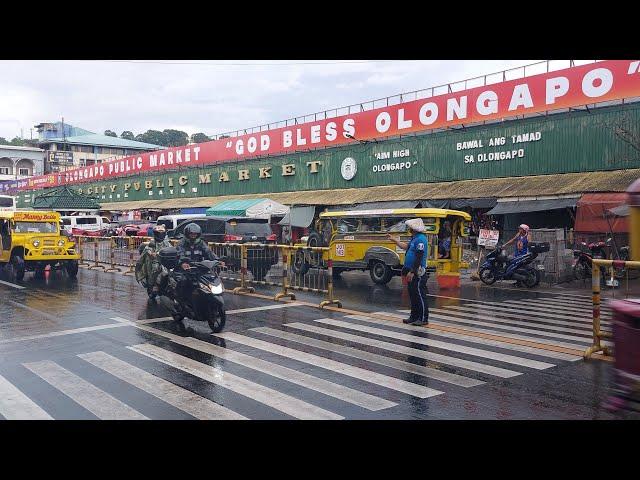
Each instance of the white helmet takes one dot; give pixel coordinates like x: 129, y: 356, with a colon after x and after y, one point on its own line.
x: 524, y: 227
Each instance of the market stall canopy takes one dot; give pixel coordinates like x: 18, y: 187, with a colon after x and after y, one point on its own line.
x: 64, y: 198
x: 458, y: 203
x: 299, y: 217
x: 255, y: 207
x: 510, y: 205
x: 621, y: 211
x: 435, y: 192
x: 592, y: 213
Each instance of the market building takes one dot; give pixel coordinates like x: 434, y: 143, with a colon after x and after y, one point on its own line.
x: 527, y: 150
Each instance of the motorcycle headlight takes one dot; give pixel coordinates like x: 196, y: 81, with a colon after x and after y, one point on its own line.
x: 36, y: 243
x: 217, y: 289
x: 61, y: 243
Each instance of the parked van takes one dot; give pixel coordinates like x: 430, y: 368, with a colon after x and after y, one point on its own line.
x: 170, y: 222
x: 85, y: 222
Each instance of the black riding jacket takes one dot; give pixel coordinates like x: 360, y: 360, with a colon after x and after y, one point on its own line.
x: 195, y: 252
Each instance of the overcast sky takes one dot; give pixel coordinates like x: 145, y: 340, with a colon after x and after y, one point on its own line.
x: 206, y: 96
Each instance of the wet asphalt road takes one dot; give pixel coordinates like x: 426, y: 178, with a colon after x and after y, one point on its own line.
x: 96, y: 348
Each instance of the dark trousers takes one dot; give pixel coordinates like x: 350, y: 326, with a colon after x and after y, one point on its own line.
x: 418, y: 296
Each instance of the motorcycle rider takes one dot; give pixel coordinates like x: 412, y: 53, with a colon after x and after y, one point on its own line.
x: 149, y: 257
x: 192, y: 248
x: 522, y: 243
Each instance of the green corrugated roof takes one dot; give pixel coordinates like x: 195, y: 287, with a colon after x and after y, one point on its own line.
x: 64, y: 198
x: 234, y: 208
x: 103, y: 141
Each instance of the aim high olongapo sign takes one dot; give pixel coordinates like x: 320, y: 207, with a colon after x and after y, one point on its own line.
x: 571, y: 87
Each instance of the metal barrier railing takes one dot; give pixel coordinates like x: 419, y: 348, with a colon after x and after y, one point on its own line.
x: 596, y: 279
x: 292, y: 268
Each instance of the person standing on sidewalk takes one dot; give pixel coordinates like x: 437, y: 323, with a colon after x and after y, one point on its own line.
x: 415, y: 265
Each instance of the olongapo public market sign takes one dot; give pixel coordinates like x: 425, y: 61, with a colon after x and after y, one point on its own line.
x: 587, y: 84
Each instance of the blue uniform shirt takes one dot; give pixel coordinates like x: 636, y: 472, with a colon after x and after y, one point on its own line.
x: 417, y: 244
x: 522, y: 245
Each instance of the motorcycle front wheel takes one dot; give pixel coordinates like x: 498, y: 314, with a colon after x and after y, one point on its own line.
x: 216, y: 317
x: 487, y: 276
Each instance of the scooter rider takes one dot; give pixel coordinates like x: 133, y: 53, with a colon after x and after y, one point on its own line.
x: 192, y: 248
x: 415, y: 264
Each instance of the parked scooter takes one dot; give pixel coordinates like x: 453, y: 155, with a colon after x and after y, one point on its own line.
x: 497, y: 266
x: 195, y: 293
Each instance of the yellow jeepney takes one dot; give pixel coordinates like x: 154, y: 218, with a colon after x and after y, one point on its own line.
x: 31, y: 240
x: 357, y: 240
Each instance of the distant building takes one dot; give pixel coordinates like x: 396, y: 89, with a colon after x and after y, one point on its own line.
x: 67, y: 147
x: 20, y: 162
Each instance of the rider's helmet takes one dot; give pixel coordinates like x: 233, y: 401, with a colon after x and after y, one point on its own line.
x: 159, y: 233
x: 192, y: 232
x: 524, y: 227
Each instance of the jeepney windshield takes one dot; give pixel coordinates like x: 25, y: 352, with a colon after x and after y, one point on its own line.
x: 35, y: 227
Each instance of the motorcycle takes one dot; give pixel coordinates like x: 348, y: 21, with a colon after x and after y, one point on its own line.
x: 497, y: 266
x: 194, y: 293
x: 583, y: 260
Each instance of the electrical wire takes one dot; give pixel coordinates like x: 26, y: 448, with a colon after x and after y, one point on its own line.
x: 273, y: 64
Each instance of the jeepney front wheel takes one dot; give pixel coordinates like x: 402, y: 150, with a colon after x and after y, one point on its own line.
x: 17, y: 263
x: 380, y: 272
x: 72, y: 268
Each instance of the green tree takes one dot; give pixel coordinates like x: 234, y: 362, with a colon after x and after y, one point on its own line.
x: 110, y: 133
x: 175, y: 138
x: 17, y: 141
x: 3, y: 141
x: 127, y: 135
x: 199, y: 138
x: 155, y: 137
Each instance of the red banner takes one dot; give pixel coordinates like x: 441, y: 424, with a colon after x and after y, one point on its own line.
x: 571, y: 87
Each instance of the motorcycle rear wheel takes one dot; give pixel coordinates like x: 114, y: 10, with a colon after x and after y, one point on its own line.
x: 216, y: 317
x: 487, y: 276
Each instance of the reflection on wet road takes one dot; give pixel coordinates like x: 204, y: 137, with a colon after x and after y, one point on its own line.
x: 95, y: 347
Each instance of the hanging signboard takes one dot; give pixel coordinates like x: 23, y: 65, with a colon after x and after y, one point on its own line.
x: 488, y: 238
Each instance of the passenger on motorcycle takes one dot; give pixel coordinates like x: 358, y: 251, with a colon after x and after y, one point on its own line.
x: 151, y: 264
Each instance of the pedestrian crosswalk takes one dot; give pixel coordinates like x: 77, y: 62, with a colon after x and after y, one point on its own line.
x: 328, y: 368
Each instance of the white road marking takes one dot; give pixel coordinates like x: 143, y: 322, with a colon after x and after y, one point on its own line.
x: 509, y: 309
x: 268, y: 396
x: 97, y: 401
x: 547, y: 307
x: 343, y: 368
x: 525, y: 362
x: 461, y: 320
x: 15, y: 405
x: 414, y: 352
x: 468, y: 319
x: 524, y: 321
x: 60, y: 333
x: 265, y: 307
x: 372, y: 357
x: 12, y: 285
x: 335, y: 390
x: 195, y: 405
x: 497, y: 332
x: 473, y: 339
